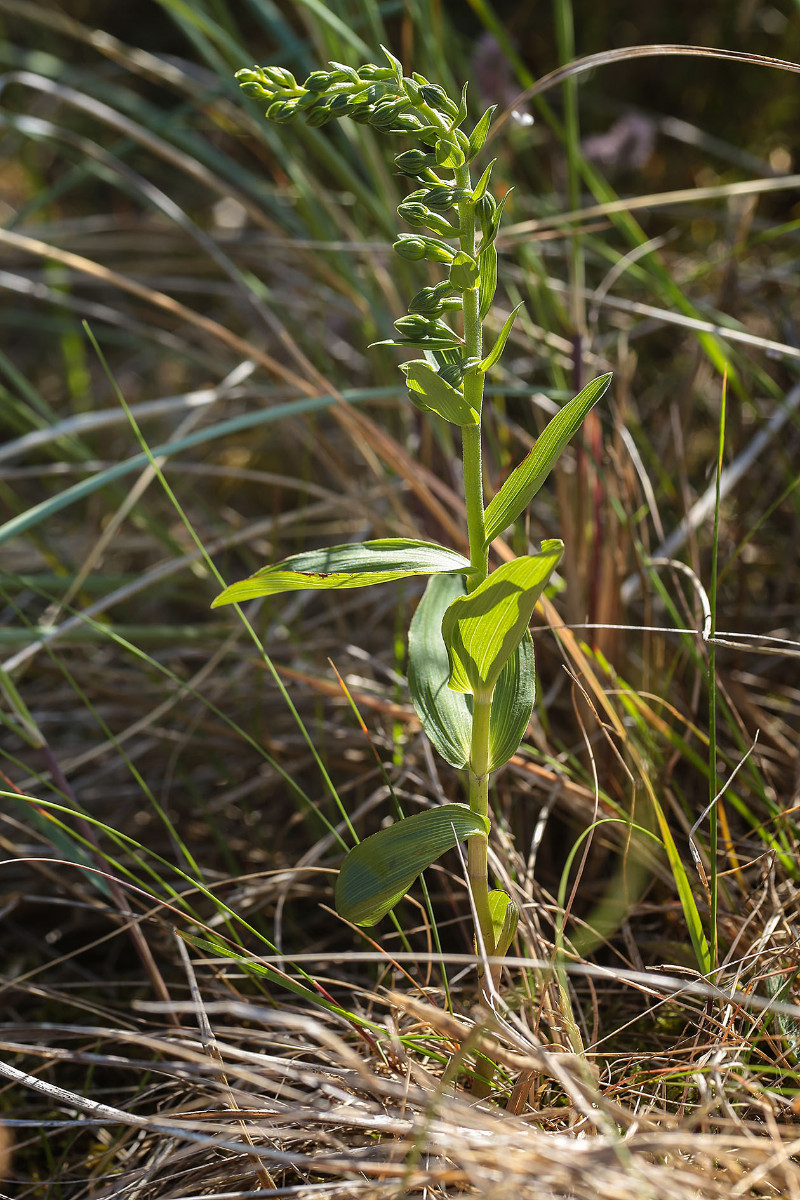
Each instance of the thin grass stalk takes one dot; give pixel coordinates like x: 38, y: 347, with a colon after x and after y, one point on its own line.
x: 713, y: 779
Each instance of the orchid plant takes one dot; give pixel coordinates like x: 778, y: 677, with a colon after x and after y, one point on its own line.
x: 471, y: 663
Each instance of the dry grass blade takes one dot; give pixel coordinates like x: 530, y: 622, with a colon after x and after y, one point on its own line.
x: 625, y: 54
x: 157, y: 299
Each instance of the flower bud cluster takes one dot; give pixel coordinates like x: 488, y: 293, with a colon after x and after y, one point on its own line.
x: 389, y: 101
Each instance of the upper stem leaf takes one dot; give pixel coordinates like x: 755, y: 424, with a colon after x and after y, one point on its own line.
x: 497, y: 349
x: 525, y: 480
x: 349, y: 566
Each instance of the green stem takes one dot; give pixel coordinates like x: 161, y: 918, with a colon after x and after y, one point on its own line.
x: 473, y: 494
x: 473, y: 392
x: 478, y: 845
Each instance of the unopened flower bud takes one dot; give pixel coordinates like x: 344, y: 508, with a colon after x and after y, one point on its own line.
x: 280, y: 77
x: 361, y: 112
x: 485, y: 208
x: 416, y: 248
x: 411, y: 248
x: 282, y: 112
x: 418, y: 328
x: 251, y: 87
x: 436, y: 97
x: 417, y: 214
x: 433, y: 95
x: 414, y: 162
x: 452, y: 373
x: 440, y: 198
x: 318, y: 81
x: 320, y: 114
x: 371, y: 71
x: 430, y: 301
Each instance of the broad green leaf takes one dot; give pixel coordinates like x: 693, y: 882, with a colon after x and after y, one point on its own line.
x: 505, y: 918
x: 482, y: 630
x: 378, y: 872
x: 431, y: 393
x: 525, y: 480
x: 351, y: 566
x: 446, y: 715
x: 512, y: 703
x: 487, y: 261
x: 480, y: 133
x: 493, y: 356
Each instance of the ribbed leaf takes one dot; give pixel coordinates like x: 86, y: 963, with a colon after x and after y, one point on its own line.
x: 494, y: 354
x: 446, y: 715
x: 350, y: 566
x: 482, y: 630
x: 512, y: 704
x: 505, y: 918
x: 525, y: 480
x: 378, y: 872
x: 431, y: 393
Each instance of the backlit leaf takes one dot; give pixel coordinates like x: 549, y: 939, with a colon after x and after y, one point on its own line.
x: 483, y: 629
x: 431, y: 393
x: 480, y: 133
x: 505, y: 918
x: 350, y: 566
x: 525, y: 480
x: 483, y: 183
x: 378, y: 872
x: 446, y: 715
